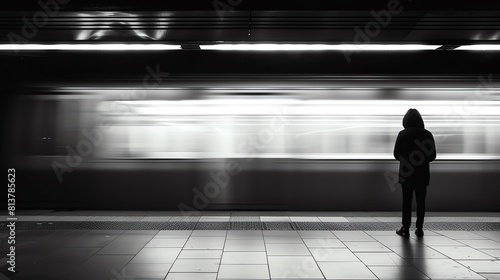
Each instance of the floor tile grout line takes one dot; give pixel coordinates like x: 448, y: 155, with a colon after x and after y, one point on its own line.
x: 222, y: 255
x: 82, y: 263
x: 425, y: 245
x: 312, y: 256
x: 179, y: 254
x: 180, y: 251
x: 385, y: 247
x: 267, y: 255
x: 133, y: 255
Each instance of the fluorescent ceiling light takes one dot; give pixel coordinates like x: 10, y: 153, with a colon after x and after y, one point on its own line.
x: 318, y: 47
x: 88, y: 47
x: 484, y: 47
x: 239, y: 47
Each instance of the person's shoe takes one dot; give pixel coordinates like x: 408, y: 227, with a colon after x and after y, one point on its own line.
x: 404, y: 232
x: 419, y: 232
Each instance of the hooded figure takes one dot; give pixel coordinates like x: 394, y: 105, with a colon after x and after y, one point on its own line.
x: 414, y: 149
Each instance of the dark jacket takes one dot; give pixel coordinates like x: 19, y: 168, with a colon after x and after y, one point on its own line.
x: 414, y: 149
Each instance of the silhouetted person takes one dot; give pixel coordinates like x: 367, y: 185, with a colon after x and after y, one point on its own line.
x: 414, y: 149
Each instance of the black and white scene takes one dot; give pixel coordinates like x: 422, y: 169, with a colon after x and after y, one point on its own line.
x: 250, y: 139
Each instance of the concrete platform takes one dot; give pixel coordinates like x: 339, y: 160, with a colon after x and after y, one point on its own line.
x: 45, y: 249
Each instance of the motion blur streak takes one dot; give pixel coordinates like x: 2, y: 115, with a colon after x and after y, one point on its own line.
x: 213, y: 123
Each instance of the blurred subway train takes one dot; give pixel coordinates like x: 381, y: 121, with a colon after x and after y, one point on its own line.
x: 265, y: 143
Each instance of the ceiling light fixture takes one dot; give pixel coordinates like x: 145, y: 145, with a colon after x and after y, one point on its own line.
x: 244, y: 47
x: 482, y: 47
x: 87, y: 47
x: 319, y: 47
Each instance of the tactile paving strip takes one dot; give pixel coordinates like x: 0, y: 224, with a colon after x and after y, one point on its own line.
x: 246, y: 226
x: 189, y: 225
x: 308, y: 226
x: 363, y: 226
x: 277, y: 226
x: 179, y: 226
x: 212, y: 226
x: 468, y: 226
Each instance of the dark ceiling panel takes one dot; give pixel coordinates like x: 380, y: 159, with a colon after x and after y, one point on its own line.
x: 333, y: 26
x: 84, y: 26
x: 381, y: 26
x: 453, y: 26
x: 253, y: 26
x: 247, y: 5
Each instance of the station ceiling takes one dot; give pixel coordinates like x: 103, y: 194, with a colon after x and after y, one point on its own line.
x: 250, y: 21
x: 449, y: 24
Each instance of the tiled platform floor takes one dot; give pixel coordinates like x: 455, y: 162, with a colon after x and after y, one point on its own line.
x: 252, y: 254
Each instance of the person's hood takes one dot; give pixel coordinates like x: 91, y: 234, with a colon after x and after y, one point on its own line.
x: 413, y: 119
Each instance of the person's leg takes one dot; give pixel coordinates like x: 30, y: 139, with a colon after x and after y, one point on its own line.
x: 407, y: 201
x: 420, y: 194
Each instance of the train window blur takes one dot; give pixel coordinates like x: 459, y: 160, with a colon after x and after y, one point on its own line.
x: 317, y: 129
x: 224, y: 126
x: 49, y: 125
x: 40, y: 128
